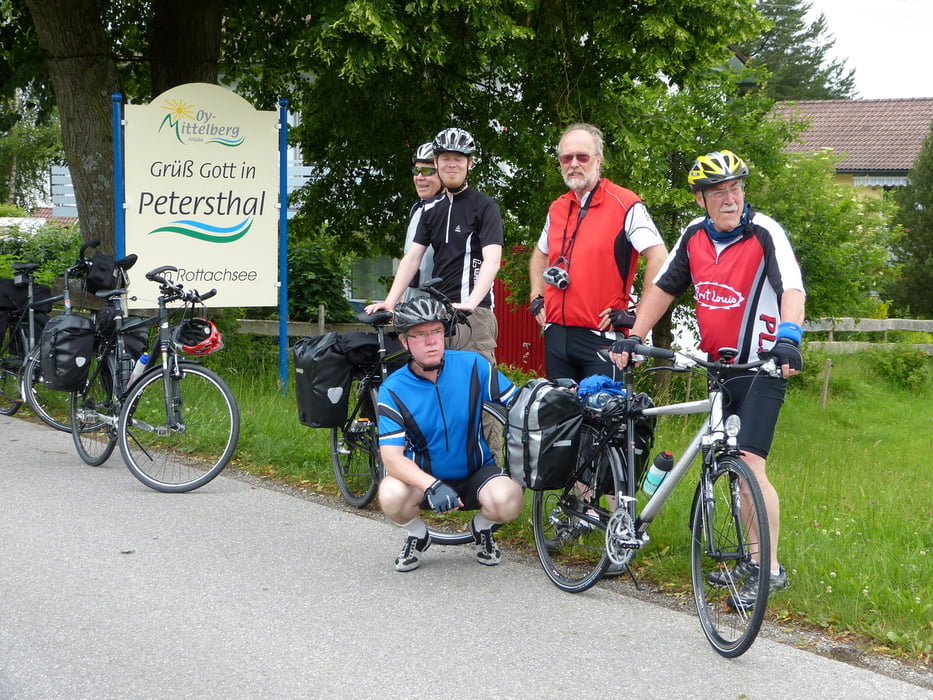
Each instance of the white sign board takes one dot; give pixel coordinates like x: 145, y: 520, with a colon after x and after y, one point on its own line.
x: 201, y: 188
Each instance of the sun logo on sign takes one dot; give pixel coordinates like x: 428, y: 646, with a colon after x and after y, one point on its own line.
x: 177, y: 110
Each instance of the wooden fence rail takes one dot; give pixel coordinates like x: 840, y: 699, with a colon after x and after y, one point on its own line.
x: 864, y: 325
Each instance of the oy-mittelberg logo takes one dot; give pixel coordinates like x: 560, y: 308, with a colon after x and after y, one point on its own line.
x: 192, y: 125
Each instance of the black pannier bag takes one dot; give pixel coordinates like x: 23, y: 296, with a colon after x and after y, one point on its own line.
x: 136, y: 342
x: 543, y: 435
x: 101, y: 274
x: 322, y: 381
x: 362, y: 351
x: 13, y: 297
x: 67, y: 346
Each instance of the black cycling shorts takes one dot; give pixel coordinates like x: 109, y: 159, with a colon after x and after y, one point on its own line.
x: 468, y: 489
x: 756, y: 399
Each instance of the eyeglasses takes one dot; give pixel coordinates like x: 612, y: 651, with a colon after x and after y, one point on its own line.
x: 423, y: 172
x: 567, y: 158
x: 718, y: 195
x: 424, y: 335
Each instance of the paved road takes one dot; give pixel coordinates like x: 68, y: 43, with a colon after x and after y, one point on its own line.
x: 111, y: 590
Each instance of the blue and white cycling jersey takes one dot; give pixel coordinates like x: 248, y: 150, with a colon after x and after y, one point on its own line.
x: 439, y: 425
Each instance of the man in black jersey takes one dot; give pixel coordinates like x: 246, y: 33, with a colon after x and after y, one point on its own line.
x: 464, y: 229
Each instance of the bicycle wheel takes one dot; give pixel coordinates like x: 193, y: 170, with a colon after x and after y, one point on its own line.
x: 720, y: 526
x: 51, y: 406
x: 570, y: 523
x: 188, y: 451
x: 94, y: 411
x: 10, y: 365
x: 354, y: 450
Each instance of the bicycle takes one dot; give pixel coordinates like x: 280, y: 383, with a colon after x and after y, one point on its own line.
x: 178, y: 422
x: 50, y: 405
x: 24, y: 309
x: 580, y: 531
x: 354, y: 446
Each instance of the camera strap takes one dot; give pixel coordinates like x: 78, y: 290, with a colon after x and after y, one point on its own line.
x: 566, y: 246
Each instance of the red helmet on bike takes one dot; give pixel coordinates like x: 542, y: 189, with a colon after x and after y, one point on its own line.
x: 197, y: 336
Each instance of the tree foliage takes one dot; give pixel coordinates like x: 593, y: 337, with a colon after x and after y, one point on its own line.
x: 794, y: 55
x: 371, y: 79
x: 910, y: 294
x: 840, y: 238
x: 27, y: 149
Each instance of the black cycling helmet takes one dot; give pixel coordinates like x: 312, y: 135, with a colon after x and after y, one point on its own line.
x: 409, y: 314
x: 424, y: 153
x: 454, y: 140
x: 716, y: 167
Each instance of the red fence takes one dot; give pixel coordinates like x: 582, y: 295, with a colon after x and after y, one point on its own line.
x: 519, y: 343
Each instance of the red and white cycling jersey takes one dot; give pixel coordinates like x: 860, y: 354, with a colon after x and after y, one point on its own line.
x: 737, y: 285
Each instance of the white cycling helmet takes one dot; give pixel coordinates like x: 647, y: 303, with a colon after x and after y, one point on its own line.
x: 454, y: 140
x: 424, y: 153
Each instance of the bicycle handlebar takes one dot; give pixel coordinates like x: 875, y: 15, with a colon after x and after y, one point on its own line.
x: 686, y: 359
x: 175, y: 291
x: 456, y: 315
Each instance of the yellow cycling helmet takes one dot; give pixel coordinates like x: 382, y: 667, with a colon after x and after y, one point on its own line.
x: 716, y: 167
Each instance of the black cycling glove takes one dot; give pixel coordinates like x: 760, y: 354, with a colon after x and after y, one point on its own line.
x: 441, y: 497
x: 537, y: 304
x: 625, y: 345
x: 621, y: 318
x: 787, y: 353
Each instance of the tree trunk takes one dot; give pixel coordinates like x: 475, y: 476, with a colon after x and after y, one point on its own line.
x: 83, y: 73
x: 185, y: 43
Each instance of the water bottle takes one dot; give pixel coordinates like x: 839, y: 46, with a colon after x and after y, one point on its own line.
x: 138, y: 368
x: 663, y: 463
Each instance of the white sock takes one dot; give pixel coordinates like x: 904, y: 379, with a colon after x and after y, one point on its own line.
x: 416, y: 528
x: 481, y: 522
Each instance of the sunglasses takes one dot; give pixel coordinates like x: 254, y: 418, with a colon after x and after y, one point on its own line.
x: 567, y: 158
x: 424, y: 172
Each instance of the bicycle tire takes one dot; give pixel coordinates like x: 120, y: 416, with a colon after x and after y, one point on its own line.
x: 719, y: 541
x: 354, y: 450
x: 570, y: 523
x: 10, y: 365
x: 50, y: 406
x: 94, y: 412
x: 188, y: 456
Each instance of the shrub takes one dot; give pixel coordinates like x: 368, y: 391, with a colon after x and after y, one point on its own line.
x: 902, y: 365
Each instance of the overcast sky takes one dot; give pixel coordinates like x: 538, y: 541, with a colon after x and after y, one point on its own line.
x: 888, y: 42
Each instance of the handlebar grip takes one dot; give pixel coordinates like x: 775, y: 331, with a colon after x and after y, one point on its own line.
x: 207, y: 295
x: 652, y: 351
x: 93, y: 243
x: 156, y: 274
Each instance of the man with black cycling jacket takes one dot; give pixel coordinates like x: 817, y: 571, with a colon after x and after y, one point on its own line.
x: 749, y: 296
x: 464, y: 229
x: 427, y: 185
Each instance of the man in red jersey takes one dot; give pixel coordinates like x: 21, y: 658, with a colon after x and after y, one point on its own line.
x: 749, y: 296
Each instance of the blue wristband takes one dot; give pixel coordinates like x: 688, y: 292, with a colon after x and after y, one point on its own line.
x: 790, y: 331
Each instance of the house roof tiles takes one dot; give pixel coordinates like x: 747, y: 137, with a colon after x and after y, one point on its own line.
x: 876, y: 136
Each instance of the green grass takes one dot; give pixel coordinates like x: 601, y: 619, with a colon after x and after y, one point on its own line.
x: 854, y: 480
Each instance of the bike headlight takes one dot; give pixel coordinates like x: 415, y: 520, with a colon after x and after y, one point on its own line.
x: 733, y: 425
